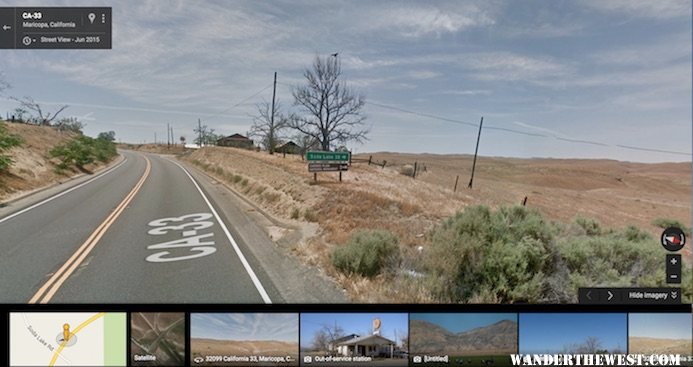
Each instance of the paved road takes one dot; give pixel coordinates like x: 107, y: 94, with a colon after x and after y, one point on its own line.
x: 146, y: 230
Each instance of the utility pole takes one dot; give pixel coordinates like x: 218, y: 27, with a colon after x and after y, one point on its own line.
x: 199, y: 132
x: 476, y: 151
x: 155, y: 138
x: 274, y: 92
x: 168, y: 135
x: 173, y: 141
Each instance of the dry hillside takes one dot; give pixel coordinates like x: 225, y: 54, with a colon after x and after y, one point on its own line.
x: 428, y: 338
x: 644, y: 345
x: 615, y: 193
x: 33, y: 168
x: 240, y: 348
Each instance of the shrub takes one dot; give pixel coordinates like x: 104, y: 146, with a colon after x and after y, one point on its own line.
x: 488, y: 256
x: 7, y: 142
x: 665, y: 223
x: 295, y: 213
x: 310, y: 215
x: 407, y: 170
x: 367, y: 253
x: 617, y: 259
x: 590, y: 226
x: 83, y: 150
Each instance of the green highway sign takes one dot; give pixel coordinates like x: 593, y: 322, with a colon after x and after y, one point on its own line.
x: 328, y: 156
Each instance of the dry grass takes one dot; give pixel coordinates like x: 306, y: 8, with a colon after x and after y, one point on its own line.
x: 155, y: 148
x: 371, y: 197
x: 33, y: 167
x: 643, y: 345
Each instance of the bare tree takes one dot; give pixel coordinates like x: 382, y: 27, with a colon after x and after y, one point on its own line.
x: 208, y: 136
x: 591, y: 345
x: 326, y: 336
x: 321, y: 341
x: 19, y: 114
x: 43, y: 117
x: 69, y: 124
x: 331, y: 112
x: 266, y: 128
x: 304, y: 142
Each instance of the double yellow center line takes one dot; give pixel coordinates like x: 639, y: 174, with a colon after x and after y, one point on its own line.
x: 48, y: 290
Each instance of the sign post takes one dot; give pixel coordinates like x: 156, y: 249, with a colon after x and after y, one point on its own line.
x: 319, y: 161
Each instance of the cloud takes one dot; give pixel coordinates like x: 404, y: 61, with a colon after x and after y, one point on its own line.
x: 508, y: 66
x: 420, y: 21
x: 659, y: 9
x: 466, y: 92
x: 423, y: 74
x: 657, y: 52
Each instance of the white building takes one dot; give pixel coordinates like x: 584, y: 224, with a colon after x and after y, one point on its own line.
x: 366, y: 346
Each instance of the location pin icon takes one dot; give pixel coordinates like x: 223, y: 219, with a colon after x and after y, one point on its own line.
x: 91, y: 17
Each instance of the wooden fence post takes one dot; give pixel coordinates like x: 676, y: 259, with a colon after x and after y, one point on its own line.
x: 456, y: 179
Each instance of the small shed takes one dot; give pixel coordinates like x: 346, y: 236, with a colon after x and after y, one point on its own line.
x: 288, y: 147
x: 235, y: 140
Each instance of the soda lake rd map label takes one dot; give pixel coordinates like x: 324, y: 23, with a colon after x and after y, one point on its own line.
x: 188, y: 225
x: 93, y: 339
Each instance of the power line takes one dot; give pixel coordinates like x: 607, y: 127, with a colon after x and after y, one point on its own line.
x: 514, y: 131
x: 239, y: 103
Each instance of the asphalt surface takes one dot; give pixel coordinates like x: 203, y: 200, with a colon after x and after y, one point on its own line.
x: 147, y: 230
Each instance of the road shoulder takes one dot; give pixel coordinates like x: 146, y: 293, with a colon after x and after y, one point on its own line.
x: 295, y: 281
x: 32, y: 197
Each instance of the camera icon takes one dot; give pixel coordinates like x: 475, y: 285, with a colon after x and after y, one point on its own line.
x: 417, y: 359
x: 307, y: 359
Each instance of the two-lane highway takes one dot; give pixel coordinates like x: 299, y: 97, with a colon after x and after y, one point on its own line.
x: 143, y: 231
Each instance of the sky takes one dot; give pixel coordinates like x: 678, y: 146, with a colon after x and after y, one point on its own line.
x: 550, y: 333
x: 660, y: 325
x: 458, y: 323
x: 543, y: 74
x: 245, y: 326
x: 354, y: 323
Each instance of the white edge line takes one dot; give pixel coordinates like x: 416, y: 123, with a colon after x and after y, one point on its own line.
x: 61, y: 193
x: 245, y: 263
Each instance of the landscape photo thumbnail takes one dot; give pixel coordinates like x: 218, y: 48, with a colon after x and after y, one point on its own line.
x: 475, y: 338
x: 242, y: 339
x: 573, y: 333
x: 354, y: 339
x: 660, y: 333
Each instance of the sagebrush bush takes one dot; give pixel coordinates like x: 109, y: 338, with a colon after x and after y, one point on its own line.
x: 665, y: 223
x: 617, y: 259
x: 310, y: 215
x: 7, y: 142
x: 513, y: 255
x: 499, y: 256
x: 83, y: 150
x: 590, y: 226
x: 407, y: 170
x: 367, y: 253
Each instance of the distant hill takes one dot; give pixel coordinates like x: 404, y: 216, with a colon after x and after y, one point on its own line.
x: 429, y: 338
